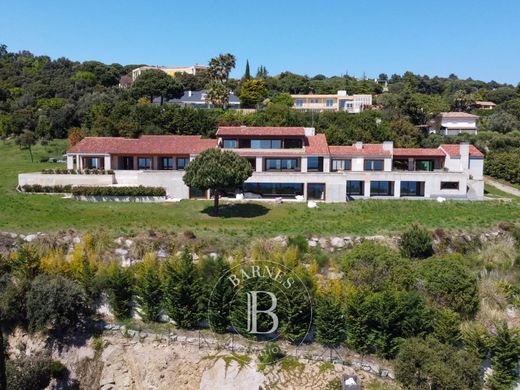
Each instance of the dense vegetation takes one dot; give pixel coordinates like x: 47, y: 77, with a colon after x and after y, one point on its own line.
x: 438, y: 317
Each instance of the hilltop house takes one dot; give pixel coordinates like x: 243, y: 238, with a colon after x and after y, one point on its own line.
x: 333, y: 102
x: 288, y: 162
x: 197, y: 99
x: 170, y: 70
x: 453, y: 123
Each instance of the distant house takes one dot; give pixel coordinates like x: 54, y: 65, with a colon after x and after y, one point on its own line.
x: 125, y: 81
x: 331, y: 102
x: 170, y: 70
x: 453, y: 123
x: 485, y: 105
x: 197, y: 99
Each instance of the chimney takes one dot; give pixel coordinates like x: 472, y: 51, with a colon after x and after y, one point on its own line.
x: 342, y: 92
x: 389, y: 146
x: 358, y: 145
x: 464, y: 155
x: 189, y: 93
x: 309, y: 131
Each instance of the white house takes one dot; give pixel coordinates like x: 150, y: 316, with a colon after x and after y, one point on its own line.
x: 453, y: 123
x: 332, y: 102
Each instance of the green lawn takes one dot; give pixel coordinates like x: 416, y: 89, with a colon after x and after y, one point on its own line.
x: 47, y: 213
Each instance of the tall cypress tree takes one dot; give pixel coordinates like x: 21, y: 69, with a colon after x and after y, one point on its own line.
x: 506, y: 353
x: 247, y: 75
x: 296, y: 314
x: 119, y: 291
x: 148, y: 289
x: 330, y: 321
x: 220, y: 295
x: 182, y: 291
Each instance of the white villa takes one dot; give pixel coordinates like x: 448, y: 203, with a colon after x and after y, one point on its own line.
x: 453, y: 123
x: 170, y: 70
x: 288, y: 162
x: 335, y: 102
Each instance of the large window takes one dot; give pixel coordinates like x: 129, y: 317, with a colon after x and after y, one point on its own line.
x: 281, y: 164
x: 292, y: 143
x: 316, y: 191
x: 412, y: 188
x: 298, y: 103
x: 329, y: 103
x: 167, y: 163
x: 273, y: 190
x: 400, y: 165
x: 230, y: 144
x: 381, y: 188
x: 315, y: 164
x: 355, y: 187
x: 266, y: 144
x: 126, y: 162
x: 93, y: 162
x: 374, y: 165
x: 449, y: 185
x: 182, y: 162
x: 424, y: 165
x: 341, y: 165
x: 144, y: 163
x: 196, y: 193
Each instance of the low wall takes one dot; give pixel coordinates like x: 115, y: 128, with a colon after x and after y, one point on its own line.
x: 60, y: 179
x: 131, y: 199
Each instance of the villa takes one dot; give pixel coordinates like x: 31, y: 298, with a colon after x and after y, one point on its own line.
x: 332, y: 102
x: 288, y: 162
x: 170, y: 70
x: 453, y: 123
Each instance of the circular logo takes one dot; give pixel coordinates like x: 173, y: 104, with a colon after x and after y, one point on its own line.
x: 264, y: 301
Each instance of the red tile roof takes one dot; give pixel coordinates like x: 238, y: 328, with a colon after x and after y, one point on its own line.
x: 418, y: 152
x: 366, y: 150
x: 147, y: 144
x: 316, y: 145
x: 454, y: 150
x: 261, y: 131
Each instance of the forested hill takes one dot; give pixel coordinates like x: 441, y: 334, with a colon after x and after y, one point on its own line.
x: 49, y: 97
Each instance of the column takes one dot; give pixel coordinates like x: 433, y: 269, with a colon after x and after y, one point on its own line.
x: 70, y: 161
x: 326, y: 164
x: 367, y: 188
x: 80, y: 162
x: 303, y: 163
x: 259, y: 164
x: 108, y: 162
x: 397, y: 188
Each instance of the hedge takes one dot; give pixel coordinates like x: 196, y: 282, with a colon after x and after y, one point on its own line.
x: 503, y: 165
x: 78, y: 172
x: 118, y: 191
x: 46, y: 189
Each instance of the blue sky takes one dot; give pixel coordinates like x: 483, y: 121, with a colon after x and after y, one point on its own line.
x: 471, y: 38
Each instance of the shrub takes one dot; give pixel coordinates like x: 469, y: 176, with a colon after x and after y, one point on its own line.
x: 299, y: 242
x: 270, y: 354
x: 36, y: 188
x: 55, y: 303
x: 58, y: 370
x: 416, y: 243
x: 119, y: 288
x: 28, y: 372
x: 118, y: 191
x: 59, y: 171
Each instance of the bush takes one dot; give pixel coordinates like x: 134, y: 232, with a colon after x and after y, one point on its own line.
x: 118, y: 191
x: 270, y: 354
x: 58, y: 370
x: 416, y: 243
x: 58, y: 171
x: 28, y: 372
x: 37, y: 188
x: 503, y: 165
x: 55, y: 303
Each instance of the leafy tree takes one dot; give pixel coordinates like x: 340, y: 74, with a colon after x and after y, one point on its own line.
x: 447, y: 283
x: 503, y: 122
x: 119, y: 289
x: 76, y: 134
x: 429, y: 364
x: 283, y: 98
x: 155, y: 82
x: 13, y: 290
x: 416, y: 243
x: 26, y: 140
x: 182, y: 290
x: 506, y: 354
x: 55, y: 303
x: 217, y: 94
x: 148, y: 289
x: 217, y: 170
x: 252, y: 93
x: 503, y: 165
x: 330, y: 321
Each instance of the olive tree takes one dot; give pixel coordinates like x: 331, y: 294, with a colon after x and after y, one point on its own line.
x: 217, y: 170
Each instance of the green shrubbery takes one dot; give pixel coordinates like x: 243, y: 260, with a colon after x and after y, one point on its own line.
x: 503, y: 165
x: 416, y: 243
x: 118, y: 191
x: 56, y: 189
x: 87, y: 171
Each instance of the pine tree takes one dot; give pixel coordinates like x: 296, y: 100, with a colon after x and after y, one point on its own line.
x: 119, y: 291
x: 247, y: 75
x: 330, y: 321
x: 182, y: 291
x: 506, y: 353
x: 148, y: 289
x: 296, y: 314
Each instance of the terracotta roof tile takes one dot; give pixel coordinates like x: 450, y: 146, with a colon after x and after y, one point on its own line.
x: 454, y: 150
x: 457, y: 115
x: 261, y: 131
x: 366, y: 150
x: 418, y: 152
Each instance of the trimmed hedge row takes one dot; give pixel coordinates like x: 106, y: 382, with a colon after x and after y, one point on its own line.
x: 46, y: 189
x: 118, y: 191
x: 78, y: 172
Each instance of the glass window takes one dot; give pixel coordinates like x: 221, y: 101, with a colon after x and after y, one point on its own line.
x: 424, y: 165
x: 166, y: 163
x: 144, y: 163
x: 315, y: 164
x: 400, y: 165
x: 271, y: 190
x: 272, y: 164
x: 196, y: 193
x: 276, y: 144
x: 412, y: 188
x: 126, y: 163
x: 355, y: 187
x: 329, y: 103
x: 298, y: 102
x: 381, y: 188
x: 182, y: 162
x: 292, y: 143
x: 374, y: 165
x: 341, y: 165
x: 266, y: 144
x: 449, y: 185
x: 316, y: 191
x: 230, y: 144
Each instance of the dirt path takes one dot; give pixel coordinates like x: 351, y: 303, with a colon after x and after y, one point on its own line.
x: 502, y: 187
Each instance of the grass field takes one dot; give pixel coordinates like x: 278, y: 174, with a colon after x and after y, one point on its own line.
x: 46, y: 213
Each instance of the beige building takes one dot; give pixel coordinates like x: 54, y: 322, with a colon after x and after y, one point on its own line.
x: 170, y: 70
x: 453, y: 123
x: 333, y: 102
